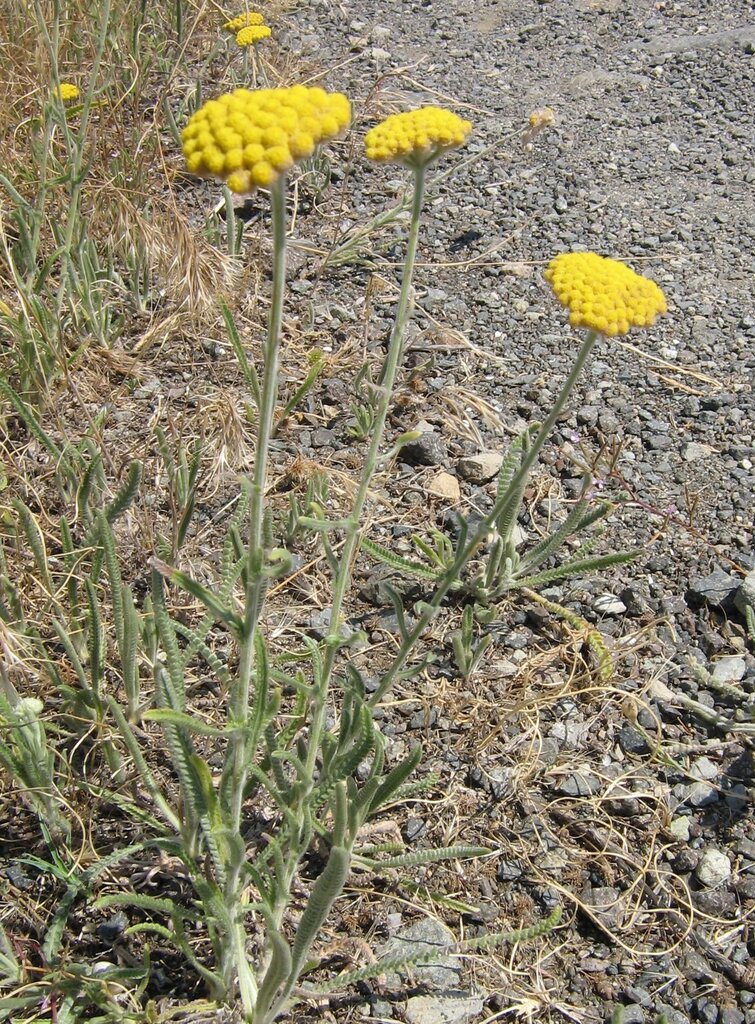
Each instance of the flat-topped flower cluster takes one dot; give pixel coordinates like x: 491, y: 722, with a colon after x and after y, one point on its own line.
x: 604, y: 294
x: 416, y: 136
x: 250, y: 138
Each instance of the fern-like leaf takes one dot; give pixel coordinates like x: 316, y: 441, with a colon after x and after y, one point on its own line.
x: 574, y: 567
x: 405, y: 565
x: 417, y: 857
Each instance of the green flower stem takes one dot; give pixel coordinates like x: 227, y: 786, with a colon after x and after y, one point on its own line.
x: 395, y: 352
x: 353, y: 523
x: 452, y: 573
x: 74, y: 144
x: 247, y: 982
x: 230, y: 222
x: 255, y: 565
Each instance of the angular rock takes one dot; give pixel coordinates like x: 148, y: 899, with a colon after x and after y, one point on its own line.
x: 718, y: 589
x: 672, y: 1015
x: 679, y: 829
x: 478, y: 469
x: 579, y: 784
x: 444, y: 485
x: 427, y: 935
x: 685, y: 861
x: 413, y: 829
x: 745, y: 596
x: 632, y: 742
x: 706, y: 1011
x: 429, y: 449
x: 730, y: 1015
x: 729, y: 669
x: 718, y: 902
x: 692, y: 451
x: 714, y: 868
x: 704, y: 769
x: 444, y: 1008
x: 698, y: 794
x: 605, y: 903
x: 509, y: 871
x: 112, y: 929
x: 607, y: 604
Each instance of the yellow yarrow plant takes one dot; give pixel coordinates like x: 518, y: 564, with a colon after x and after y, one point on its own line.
x: 252, y: 34
x: 250, y: 138
x: 416, y: 137
x: 68, y: 92
x: 243, y: 20
x: 604, y: 294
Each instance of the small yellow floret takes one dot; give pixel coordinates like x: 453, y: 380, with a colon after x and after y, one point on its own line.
x: 240, y: 182
x: 604, y: 294
x: 263, y: 175
x: 416, y: 136
x: 252, y: 34
x: 249, y: 18
x: 234, y: 159
x: 253, y: 153
x: 301, y: 146
x: 279, y: 157
x: 68, y: 92
x: 249, y: 138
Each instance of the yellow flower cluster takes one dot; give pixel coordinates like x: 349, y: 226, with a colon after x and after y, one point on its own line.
x: 250, y: 18
x: 252, y: 34
x: 604, y: 294
x: 68, y: 92
x: 250, y: 138
x: 416, y: 136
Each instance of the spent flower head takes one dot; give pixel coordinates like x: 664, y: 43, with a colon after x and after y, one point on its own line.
x: 542, y: 118
x: 249, y: 18
x: 252, y: 34
x: 68, y: 92
x: 250, y: 138
x: 604, y: 294
x: 416, y: 137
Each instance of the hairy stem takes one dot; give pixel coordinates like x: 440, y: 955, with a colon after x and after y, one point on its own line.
x: 501, y: 506
x: 235, y: 770
x: 353, y: 523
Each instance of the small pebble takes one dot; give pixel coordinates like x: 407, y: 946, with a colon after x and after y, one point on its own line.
x: 607, y: 604
x: 714, y: 868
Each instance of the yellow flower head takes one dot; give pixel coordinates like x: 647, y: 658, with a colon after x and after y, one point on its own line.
x: 542, y: 118
x: 416, y: 136
x: 250, y: 138
x: 252, y: 34
x: 249, y: 18
x: 604, y: 294
x: 68, y: 92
